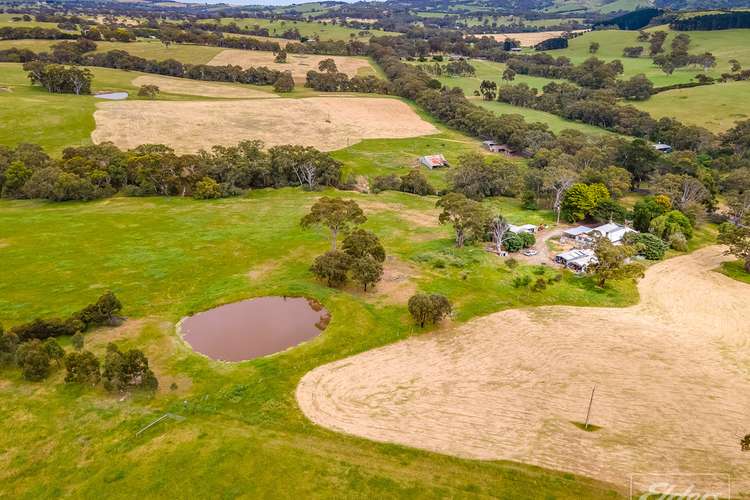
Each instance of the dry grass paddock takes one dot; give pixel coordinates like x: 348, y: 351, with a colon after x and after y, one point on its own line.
x: 298, y: 64
x: 327, y: 123
x: 198, y: 88
x: 672, y: 379
x: 527, y: 39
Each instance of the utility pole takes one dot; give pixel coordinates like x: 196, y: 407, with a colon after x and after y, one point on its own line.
x: 588, y: 413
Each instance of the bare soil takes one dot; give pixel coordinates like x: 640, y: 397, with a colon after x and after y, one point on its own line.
x: 298, y: 64
x: 199, y: 88
x: 327, y: 123
x: 672, y: 378
x: 527, y: 39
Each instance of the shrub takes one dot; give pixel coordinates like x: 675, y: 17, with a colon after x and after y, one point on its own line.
x: 511, y: 263
x: 33, y: 360
x: 521, y: 281
x: 77, y: 340
x: 428, y: 308
x: 539, y: 285
x: 386, y: 183
x: 652, y: 247
x: 8, y: 346
x: 100, y: 312
x: 745, y: 443
x: 149, y: 91
x: 513, y: 243
x: 667, y: 224
x: 527, y: 239
x: 677, y: 241
x: 284, y: 83
x: 42, y: 329
x: 82, y: 368
x: 53, y: 350
x: 206, y: 189
x: 416, y: 183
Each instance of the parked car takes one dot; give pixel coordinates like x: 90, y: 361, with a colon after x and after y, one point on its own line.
x: 530, y: 252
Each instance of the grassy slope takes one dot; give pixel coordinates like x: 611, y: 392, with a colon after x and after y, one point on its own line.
x: 168, y: 257
x: 56, y: 121
x: 716, y: 107
x: 6, y: 21
x: 488, y: 70
x: 149, y: 49
x: 735, y: 270
x: 310, y: 29
x: 725, y: 45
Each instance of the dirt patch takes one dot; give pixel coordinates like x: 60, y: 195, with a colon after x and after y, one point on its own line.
x: 327, y: 123
x: 672, y: 376
x: 262, y: 270
x: 395, y: 287
x: 298, y: 64
x: 528, y: 39
x: 196, y: 87
x: 426, y: 218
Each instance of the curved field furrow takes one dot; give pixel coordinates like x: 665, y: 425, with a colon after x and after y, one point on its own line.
x: 672, y: 378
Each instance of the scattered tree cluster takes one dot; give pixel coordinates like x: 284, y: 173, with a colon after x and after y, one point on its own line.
x: 362, y: 255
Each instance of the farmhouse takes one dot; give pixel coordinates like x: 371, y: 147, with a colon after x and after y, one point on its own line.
x: 576, y: 260
x: 494, y: 147
x: 584, y: 237
x: 613, y: 231
x: 433, y: 161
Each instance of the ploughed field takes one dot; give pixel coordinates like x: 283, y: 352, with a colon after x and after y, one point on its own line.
x: 298, y: 64
x: 327, y: 123
x: 671, y: 376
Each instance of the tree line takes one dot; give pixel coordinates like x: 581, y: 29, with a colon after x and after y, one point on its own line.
x: 81, y: 53
x: 98, y: 171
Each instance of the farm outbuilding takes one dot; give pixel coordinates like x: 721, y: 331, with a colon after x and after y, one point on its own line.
x: 494, y: 147
x: 584, y: 236
x: 433, y: 161
x: 576, y: 260
x: 525, y: 228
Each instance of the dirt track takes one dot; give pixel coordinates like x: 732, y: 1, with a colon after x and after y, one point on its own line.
x: 672, y: 376
x: 326, y: 123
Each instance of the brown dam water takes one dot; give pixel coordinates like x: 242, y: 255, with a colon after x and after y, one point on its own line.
x: 253, y: 328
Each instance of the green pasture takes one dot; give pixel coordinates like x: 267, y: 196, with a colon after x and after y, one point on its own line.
x: 148, y: 49
x: 310, y: 29
x: 56, y: 121
x: 6, y: 20
x: 715, y: 107
x: 168, y: 257
x: 554, y: 122
x: 735, y: 270
x: 724, y: 44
